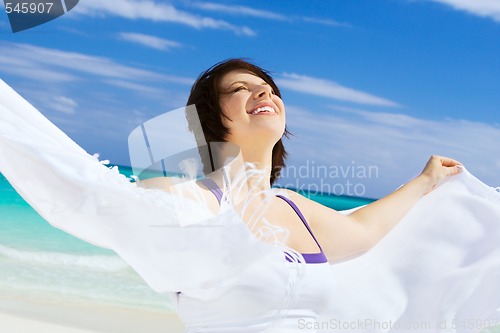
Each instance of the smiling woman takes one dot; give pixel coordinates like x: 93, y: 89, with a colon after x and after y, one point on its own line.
x: 212, y: 90
x: 236, y: 255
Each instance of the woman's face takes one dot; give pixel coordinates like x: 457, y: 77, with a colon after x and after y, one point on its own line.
x: 256, y: 115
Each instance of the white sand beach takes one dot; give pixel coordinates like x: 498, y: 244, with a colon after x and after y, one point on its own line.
x: 46, y: 316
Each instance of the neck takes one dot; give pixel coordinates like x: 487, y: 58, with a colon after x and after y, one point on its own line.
x: 244, y: 182
x: 256, y: 176
x: 261, y: 162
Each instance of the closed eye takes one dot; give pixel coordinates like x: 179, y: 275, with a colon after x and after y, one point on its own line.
x: 239, y: 88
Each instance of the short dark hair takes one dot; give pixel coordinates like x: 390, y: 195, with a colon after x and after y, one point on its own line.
x: 205, y: 95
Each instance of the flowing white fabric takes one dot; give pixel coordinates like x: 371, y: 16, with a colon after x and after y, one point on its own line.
x: 437, y: 271
x: 439, y: 268
x: 162, y: 236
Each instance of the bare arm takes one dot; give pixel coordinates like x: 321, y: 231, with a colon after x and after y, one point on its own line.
x: 346, y: 236
x: 382, y: 215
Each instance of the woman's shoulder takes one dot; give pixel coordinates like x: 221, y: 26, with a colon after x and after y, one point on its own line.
x: 314, y: 212
x: 305, y: 204
x: 160, y: 183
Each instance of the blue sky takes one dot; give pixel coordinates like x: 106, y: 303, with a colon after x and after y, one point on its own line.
x: 368, y: 85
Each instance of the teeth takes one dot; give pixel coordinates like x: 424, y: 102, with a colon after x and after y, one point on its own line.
x: 262, y: 109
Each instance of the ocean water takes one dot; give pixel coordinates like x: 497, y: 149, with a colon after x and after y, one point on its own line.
x: 38, y: 260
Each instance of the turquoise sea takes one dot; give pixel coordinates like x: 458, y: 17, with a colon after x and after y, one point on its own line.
x: 40, y: 261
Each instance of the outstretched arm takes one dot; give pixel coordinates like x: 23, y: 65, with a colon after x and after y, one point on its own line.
x: 382, y: 215
x: 347, y: 236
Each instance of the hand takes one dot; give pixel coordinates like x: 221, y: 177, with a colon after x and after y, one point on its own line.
x: 438, y: 168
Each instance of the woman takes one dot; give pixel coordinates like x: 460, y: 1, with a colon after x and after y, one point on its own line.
x: 239, y: 103
x: 219, y: 276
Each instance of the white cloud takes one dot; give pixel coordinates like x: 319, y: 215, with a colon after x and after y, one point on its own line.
x: 63, y: 104
x: 29, y: 71
x: 156, y: 12
x: 150, y: 91
x: 58, y: 83
x: 397, y: 144
x: 149, y: 41
x: 263, y: 14
x: 330, y: 89
x: 239, y: 10
x: 329, y: 22
x: 484, y: 8
x: 51, y: 65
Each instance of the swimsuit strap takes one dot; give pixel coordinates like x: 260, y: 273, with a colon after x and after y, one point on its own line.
x: 312, y: 258
x: 212, y: 186
x: 299, y: 213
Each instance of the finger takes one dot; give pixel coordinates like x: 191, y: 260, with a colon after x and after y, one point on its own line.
x: 448, y: 162
x: 453, y: 170
x: 457, y: 169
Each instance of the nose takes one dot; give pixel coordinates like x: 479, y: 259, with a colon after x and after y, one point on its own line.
x: 262, y: 91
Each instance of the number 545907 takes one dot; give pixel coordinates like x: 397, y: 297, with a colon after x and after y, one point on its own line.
x: 28, y: 7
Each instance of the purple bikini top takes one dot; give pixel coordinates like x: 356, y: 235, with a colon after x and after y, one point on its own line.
x: 310, y: 258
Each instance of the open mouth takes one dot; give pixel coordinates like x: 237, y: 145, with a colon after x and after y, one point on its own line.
x: 263, y: 110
